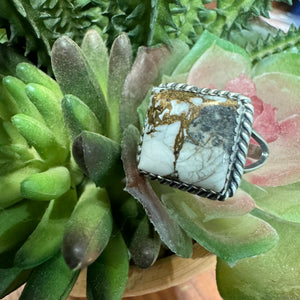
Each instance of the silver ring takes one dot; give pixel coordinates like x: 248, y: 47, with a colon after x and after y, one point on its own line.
x: 197, y: 140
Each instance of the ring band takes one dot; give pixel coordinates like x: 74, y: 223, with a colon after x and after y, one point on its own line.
x: 197, y: 139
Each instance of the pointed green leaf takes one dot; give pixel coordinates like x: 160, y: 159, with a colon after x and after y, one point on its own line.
x: 136, y: 185
x: 47, y: 238
x: 95, y: 51
x: 52, y: 280
x: 272, y: 275
x: 88, y: 229
x: 230, y: 238
x: 98, y: 157
x: 114, y: 263
x: 79, y: 117
x: 75, y: 77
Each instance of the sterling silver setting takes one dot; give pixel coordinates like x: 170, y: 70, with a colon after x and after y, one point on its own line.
x: 232, y: 141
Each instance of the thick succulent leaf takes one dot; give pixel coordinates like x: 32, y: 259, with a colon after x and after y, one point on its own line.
x: 136, y: 185
x: 29, y: 73
x: 240, y: 204
x: 95, y: 51
x: 119, y: 66
x: 281, y: 201
x: 282, y: 62
x: 39, y: 247
x: 11, y: 279
x: 230, y: 238
x: 41, y: 138
x: 206, y: 41
x: 49, y: 107
x: 46, y: 185
x: 16, y: 88
x: 210, y: 70
x: 98, y: 157
x: 275, y: 86
x: 146, y: 71
x: 18, y: 221
x: 14, y: 135
x: 7, y: 104
x: 145, y: 244
x: 114, y: 263
x: 75, y: 76
x: 142, y: 240
x: 282, y: 166
x: 10, y: 185
x: 272, y: 275
x: 78, y: 116
x: 52, y: 280
x: 88, y: 229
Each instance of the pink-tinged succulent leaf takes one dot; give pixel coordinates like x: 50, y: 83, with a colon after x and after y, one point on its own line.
x: 282, y: 201
x: 205, y: 41
x: 281, y: 91
x: 136, y: 185
x: 241, y: 84
x: 272, y: 275
x: 241, y: 204
x: 230, y: 238
x: 283, y: 164
x: 145, y: 72
x: 282, y: 62
x: 216, y: 67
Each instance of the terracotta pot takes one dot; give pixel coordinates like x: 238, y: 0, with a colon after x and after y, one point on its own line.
x: 166, y: 272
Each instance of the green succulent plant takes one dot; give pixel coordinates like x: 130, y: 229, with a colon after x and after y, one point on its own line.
x: 66, y: 145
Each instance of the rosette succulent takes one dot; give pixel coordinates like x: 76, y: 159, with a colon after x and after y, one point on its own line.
x: 71, y: 195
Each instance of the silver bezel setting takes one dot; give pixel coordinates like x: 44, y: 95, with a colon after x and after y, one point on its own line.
x: 238, y: 156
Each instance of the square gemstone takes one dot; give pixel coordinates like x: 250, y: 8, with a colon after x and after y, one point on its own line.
x: 192, y: 136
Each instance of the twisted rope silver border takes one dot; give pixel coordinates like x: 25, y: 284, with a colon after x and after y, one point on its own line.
x: 239, y: 149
